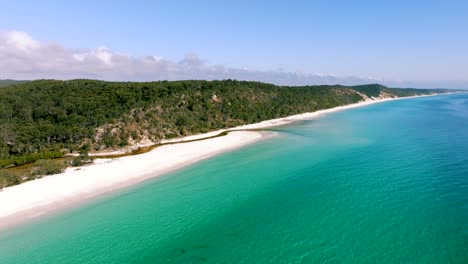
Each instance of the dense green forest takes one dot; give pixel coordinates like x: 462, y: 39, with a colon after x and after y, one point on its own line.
x: 47, y: 119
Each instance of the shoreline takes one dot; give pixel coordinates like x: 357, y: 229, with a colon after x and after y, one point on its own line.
x: 258, y: 126
x: 78, y: 185
x: 311, y: 115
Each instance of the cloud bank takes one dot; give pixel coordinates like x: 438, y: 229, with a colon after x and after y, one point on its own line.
x: 22, y: 57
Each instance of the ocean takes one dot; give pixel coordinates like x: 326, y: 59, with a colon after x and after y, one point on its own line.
x: 385, y: 183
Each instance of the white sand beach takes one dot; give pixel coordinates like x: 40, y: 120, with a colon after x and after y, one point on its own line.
x: 59, y: 191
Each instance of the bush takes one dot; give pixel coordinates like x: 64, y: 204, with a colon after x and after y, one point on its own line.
x: 8, y: 179
x: 25, y: 159
x: 49, y: 167
x: 81, y: 160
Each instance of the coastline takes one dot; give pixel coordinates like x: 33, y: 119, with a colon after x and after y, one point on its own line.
x: 311, y: 115
x: 74, y: 186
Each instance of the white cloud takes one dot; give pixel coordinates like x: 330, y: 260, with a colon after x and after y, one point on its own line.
x: 104, y: 54
x: 20, y: 40
x: 22, y: 57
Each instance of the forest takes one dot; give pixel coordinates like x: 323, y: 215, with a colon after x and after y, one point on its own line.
x: 47, y: 119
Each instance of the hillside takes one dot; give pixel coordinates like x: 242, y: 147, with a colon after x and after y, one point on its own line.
x: 47, y: 118
x: 7, y: 82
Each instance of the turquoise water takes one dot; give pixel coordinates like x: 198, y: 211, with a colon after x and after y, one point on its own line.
x: 387, y: 183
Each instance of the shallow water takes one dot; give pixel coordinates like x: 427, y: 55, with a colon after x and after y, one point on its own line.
x: 384, y: 183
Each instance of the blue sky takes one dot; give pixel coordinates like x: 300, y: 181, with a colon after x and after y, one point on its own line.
x: 412, y: 43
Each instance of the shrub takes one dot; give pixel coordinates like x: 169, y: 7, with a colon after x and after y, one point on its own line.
x: 49, y: 167
x: 8, y: 179
x: 81, y: 160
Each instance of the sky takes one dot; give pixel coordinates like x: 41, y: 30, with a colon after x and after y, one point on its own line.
x: 397, y: 43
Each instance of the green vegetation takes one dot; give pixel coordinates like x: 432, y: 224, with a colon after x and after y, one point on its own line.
x: 4, y: 83
x: 49, y: 167
x: 371, y: 90
x: 376, y: 90
x: 83, y: 158
x: 47, y: 119
x: 18, y: 160
x: 8, y: 179
x: 13, y: 176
